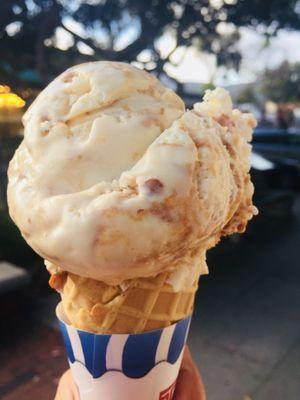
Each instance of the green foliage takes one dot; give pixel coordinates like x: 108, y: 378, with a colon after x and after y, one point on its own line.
x: 208, y: 86
x: 282, y: 85
x: 105, y: 23
x: 247, y: 96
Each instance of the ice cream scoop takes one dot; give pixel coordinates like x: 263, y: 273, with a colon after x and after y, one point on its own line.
x: 114, y: 180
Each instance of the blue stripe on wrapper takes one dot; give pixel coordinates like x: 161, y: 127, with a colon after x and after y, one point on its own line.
x: 136, y: 354
x: 94, y: 350
x: 139, y: 354
x: 66, y: 338
x: 100, y: 346
x: 178, y: 340
x: 87, y: 344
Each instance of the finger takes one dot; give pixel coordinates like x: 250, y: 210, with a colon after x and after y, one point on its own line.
x: 196, y: 372
x: 189, y: 383
x: 67, y: 389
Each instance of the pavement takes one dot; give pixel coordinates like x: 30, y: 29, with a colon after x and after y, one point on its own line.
x: 245, y: 334
x: 31, y: 367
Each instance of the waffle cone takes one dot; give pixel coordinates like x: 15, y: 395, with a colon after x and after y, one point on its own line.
x: 139, y: 305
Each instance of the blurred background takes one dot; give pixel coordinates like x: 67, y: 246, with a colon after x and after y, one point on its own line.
x: 245, y: 335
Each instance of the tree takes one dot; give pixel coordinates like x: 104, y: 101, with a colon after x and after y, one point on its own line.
x: 248, y: 95
x: 282, y: 85
x: 28, y: 31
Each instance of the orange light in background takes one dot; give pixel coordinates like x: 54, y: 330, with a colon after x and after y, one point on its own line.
x: 4, y: 89
x: 9, y: 99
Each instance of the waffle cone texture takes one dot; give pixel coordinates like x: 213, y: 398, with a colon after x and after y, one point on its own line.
x: 140, y: 305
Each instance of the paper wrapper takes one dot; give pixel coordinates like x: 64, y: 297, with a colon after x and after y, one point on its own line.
x: 125, y: 367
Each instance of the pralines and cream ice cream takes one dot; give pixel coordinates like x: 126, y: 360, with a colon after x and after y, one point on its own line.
x: 114, y: 180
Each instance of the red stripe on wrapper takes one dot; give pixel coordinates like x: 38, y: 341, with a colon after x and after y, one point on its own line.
x: 168, y: 393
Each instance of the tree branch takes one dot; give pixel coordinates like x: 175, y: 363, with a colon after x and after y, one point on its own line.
x: 97, y: 50
x: 128, y: 53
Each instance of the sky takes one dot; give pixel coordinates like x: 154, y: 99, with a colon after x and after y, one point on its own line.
x: 200, y: 68
x: 195, y: 66
x: 256, y: 57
